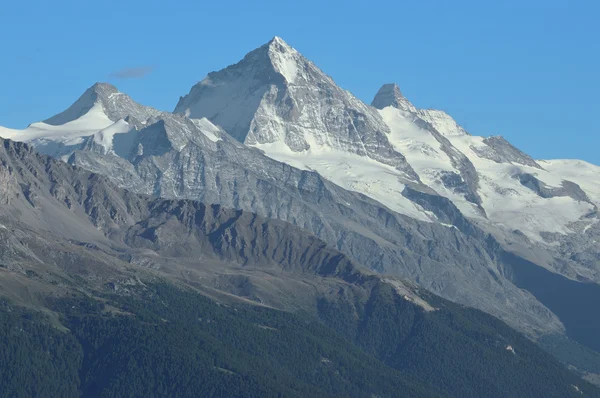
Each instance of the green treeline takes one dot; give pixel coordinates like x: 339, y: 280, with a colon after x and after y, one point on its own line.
x: 180, y: 344
x: 164, y: 341
x: 457, y: 349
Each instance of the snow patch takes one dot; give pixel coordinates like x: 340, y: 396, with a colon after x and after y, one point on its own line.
x: 506, y: 201
x: 89, y: 124
x: 285, y: 59
x: 442, y: 122
x: 580, y: 172
x: 104, y: 137
x: 352, y: 172
x: 511, y: 205
x: 286, y: 65
x: 424, y: 153
x: 7, y: 133
x: 448, y: 225
x: 207, y: 128
x: 590, y: 225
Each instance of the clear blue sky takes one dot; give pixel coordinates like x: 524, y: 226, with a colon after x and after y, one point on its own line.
x: 528, y: 70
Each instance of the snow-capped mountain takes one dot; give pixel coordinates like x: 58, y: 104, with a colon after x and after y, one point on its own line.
x: 399, y: 189
x: 277, y: 101
x: 276, y: 97
x: 91, y: 122
x: 172, y: 156
x: 548, y: 202
x: 64, y: 231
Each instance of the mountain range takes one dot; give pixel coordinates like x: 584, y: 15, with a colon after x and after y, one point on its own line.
x: 103, y: 294
x: 281, y: 171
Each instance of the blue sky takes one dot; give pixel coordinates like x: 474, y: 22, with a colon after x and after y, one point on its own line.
x: 528, y: 70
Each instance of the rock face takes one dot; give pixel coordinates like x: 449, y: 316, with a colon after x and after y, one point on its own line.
x: 397, y: 189
x: 51, y: 197
x: 390, y: 95
x: 69, y: 233
x: 275, y: 96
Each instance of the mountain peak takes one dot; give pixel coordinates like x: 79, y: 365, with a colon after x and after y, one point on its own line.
x: 277, y: 99
x: 284, y: 59
x: 97, y: 93
x: 442, y: 122
x: 390, y: 95
x: 113, y: 103
x: 392, y: 87
x: 103, y: 90
x: 277, y: 43
x: 230, y: 97
x: 103, y: 87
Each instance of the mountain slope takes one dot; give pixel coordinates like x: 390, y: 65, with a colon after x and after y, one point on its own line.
x: 275, y: 102
x: 389, y: 188
x: 278, y: 101
x: 196, y: 345
x: 168, y: 341
x: 127, y: 290
x: 550, y: 206
x: 175, y: 157
x: 502, y: 190
x: 90, y: 122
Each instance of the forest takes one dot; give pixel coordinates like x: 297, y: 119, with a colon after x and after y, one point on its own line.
x: 168, y: 341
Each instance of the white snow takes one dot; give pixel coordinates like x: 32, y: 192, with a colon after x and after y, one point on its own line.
x: 5, y: 132
x: 442, y: 122
x: 208, y: 129
x: 352, y: 172
x: 418, y: 145
x: 105, y: 136
x: 286, y: 65
x: 448, y: 225
x: 69, y: 133
x: 506, y: 201
x: 423, y: 152
x: 590, y: 225
x: 510, y: 204
x: 60, y: 140
x: 585, y: 174
x: 284, y: 59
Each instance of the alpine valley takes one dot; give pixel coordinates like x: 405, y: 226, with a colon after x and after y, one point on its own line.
x: 275, y: 222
